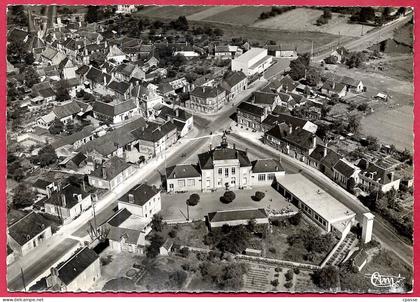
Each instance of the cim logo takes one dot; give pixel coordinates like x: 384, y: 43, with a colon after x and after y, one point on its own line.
x: 378, y: 280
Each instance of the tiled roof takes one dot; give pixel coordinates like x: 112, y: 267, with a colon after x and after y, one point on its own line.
x: 142, y: 194
x: 264, y: 98
x: 97, y: 76
x: 266, y: 165
x: 112, y: 167
x: 344, y: 168
x: 130, y: 236
x: 28, y: 227
x: 251, y: 109
x: 183, y: 171
x: 153, y: 132
x: 230, y: 215
x: 71, y: 139
x: 70, y: 193
x: 77, y: 264
x: 207, y: 92
x: 206, y: 159
x: 67, y: 109
x: 272, y: 120
x: 119, y: 87
x: 111, y: 109
x: 41, y: 183
x: 121, y: 216
x: 234, y: 79
x: 177, y: 113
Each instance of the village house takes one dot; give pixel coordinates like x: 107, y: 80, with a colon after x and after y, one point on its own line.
x: 183, y: 178
x: 234, y: 84
x: 128, y: 71
x: 181, y: 118
x: 68, y: 69
x: 265, y: 100
x: 111, y: 173
x: 127, y: 240
x: 265, y: 171
x: 154, y: 139
x: 375, y: 176
x: 65, y: 112
x: 344, y: 171
x: 324, y: 159
x: 166, y: 248
x: 225, y: 52
x: 52, y: 57
x: 74, y: 161
x: 68, y: 203
x: 75, y: 140
x: 282, y: 51
x: 114, y: 112
x: 207, y: 99
x: 43, y: 186
x: 142, y: 201
x: 250, y: 115
x: 126, y: 9
x: 255, y: 60
x: 115, y: 55
x: 118, y: 90
x: 28, y: 232
x: 79, y: 273
x: 332, y: 88
x: 98, y: 80
x: 277, y: 118
x: 148, y: 98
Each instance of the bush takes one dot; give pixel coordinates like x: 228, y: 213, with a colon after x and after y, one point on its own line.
x: 172, y: 233
x: 288, y: 284
x: 295, y: 219
x: 278, y: 269
x: 193, y: 200
x: 258, y: 196
x: 275, y: 282
x: 331, y: 60
x: 296, y: 270
x: 272, y: 250
x: 228, y: 197
x: 184, y: 252
x: 289, y: 275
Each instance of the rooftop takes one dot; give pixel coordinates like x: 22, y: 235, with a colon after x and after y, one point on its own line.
x: 141, y: 194
x: 244, y: 214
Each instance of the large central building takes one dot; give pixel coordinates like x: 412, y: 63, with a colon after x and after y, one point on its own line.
x: 223, y: 167
x: 255, y: 60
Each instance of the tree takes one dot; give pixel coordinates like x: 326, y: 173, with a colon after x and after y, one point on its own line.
x: 351, y: 184
x: 401, y: 11
x: 47, y: 156
x: 355, y: 59
x: 328, y: 277
x: 30, y: 76
x: 236, y: 241
x: 153, y: 249
x: 298, y: 66
x: 97, y: 59
x: 367, y: 13
x: 18, y: 15
x: 313, y: 77
x: 92, y: 14
x: 193, y: 200
x: 15, y: 52
x: 157, y: 222
x: 258, y: 196
x: 372, y: 143
x: 185, y: 251
x: 180, y: 24
x: 23, y: 197
x: 353, y: 124
x: 275, y: 282
x: 295, y: 219
x: 177, y: 279
x: 228, y: 197
x: 56, y: 127
x: 252, y: 223
x: 331, y: 60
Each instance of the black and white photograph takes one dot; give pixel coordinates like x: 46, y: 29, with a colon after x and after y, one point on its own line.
x: 209, y: 149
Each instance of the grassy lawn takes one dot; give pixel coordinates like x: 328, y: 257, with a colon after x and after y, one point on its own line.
x: 241, y: 15
x: 190, y: 234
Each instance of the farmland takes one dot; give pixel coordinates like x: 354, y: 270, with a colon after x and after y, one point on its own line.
x: 170, y: 12
x: 304, y: 19
x: 240, y: 15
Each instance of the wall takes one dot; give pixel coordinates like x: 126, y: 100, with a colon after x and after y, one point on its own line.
x: 87, y: 278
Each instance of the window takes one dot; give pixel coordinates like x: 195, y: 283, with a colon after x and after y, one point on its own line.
x: 181, y: 183
x: 220, y: 171
x: 233, y: 180
x: 191, y: 182
x: 245, y: 180
x: 219, y: 182
x: 208, y: 183
x: 233, y: 170
x: 261, y: 177
x: 171, y: 186
x: 270, y: 176
x: 226, y: 172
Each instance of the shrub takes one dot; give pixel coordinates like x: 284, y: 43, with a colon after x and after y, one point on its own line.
x: 288, y: 284
x: 184, y: 252
x: 278, y: 269
x: 272, y: 250
x: 193, y: 200
x: 258, y: 196
x: 296, y: 270
x: 275, y: 283
x: 295, y: 219
x: 228, y: 197
x: 172, y: 234
x: 289, y: 275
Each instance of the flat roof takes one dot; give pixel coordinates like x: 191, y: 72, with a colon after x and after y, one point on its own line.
x: 250, y: 54
x: 314, y: 197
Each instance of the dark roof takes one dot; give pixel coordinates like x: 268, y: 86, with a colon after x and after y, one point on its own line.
x: 153, y: 132
x: 142, y: 194
x: 28, y: 227
x: 377, y: 173
x: 331, y: 159
x: 9, y: 250
x: 47, y: 92
x: 112, y: 167
x: 251, y: 109
x: 288, y: 119
x: 73, y: 267
x: 112, y: 109
x: 344, y: 168
x: 230, y: 215
x: 234, y: 79
x: 71, y: 139
x: 287, y: 83
x: 119, y: 87
x: 97, y: 76
x: 41, y: 183
x: 65, y: 110
x: 266, y: 165
x: 183, y: 171
x: 207, y: 92
x: 82, y: 69
x: 206, y: 159
x: 70, y: 192
x: 299, y: 137
x: 266, y: 98
x: 121, y: 216
x: 177, y: 113
x: 78, y: 158
x: 130, y: 236
x: 168, y: 244
x: 333, y: 86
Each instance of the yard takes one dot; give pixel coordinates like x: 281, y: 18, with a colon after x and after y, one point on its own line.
x: 304, y: 19
x: 174, y: 206
x: 190, y: 234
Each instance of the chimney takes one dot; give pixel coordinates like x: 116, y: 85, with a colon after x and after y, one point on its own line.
x: 130, y: 198
x: 84, y: 185
x: 63, y: 200
x: 103, y: 172
x: 314, y: 141
x: 177, y: 112
x: 210, y: 147
x: 325, y: 149
x: 234, y: 146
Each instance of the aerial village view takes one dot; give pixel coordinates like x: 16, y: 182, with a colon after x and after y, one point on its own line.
x: 209, y: 148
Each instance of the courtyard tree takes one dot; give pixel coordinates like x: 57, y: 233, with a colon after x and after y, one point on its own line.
x: 295, y: 219
x: 193, y: 199
x: 62, y: 94
x: 56, y: 127
x: 153, y: 248
x: 366, y: 14
x: 258, y: 196
x: 353, y: 124
x: 228, y: 197
x: 299, y: 66
x: 157, y: 223
x: 30, y: 76
x: 252, y: 223
x: 47, y: 156
x: 313, y: 77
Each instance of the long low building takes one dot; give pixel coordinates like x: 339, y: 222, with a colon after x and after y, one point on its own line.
x: 236, y: 217
x: 329, y: 213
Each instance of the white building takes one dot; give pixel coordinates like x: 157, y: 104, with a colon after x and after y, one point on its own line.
x: 255, y: 60
x: 143, y: 201
x: 126, y: 9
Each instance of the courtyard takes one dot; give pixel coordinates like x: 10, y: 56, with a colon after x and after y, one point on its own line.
x: 174, y: 208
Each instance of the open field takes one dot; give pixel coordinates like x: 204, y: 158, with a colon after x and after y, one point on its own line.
x: 240, y: 15
x: 209, y: 12
x: 393, y: 126
x: 304, y: 19
x: 170, y: 12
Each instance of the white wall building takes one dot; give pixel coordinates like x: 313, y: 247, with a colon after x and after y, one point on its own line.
x: 255, y: 60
